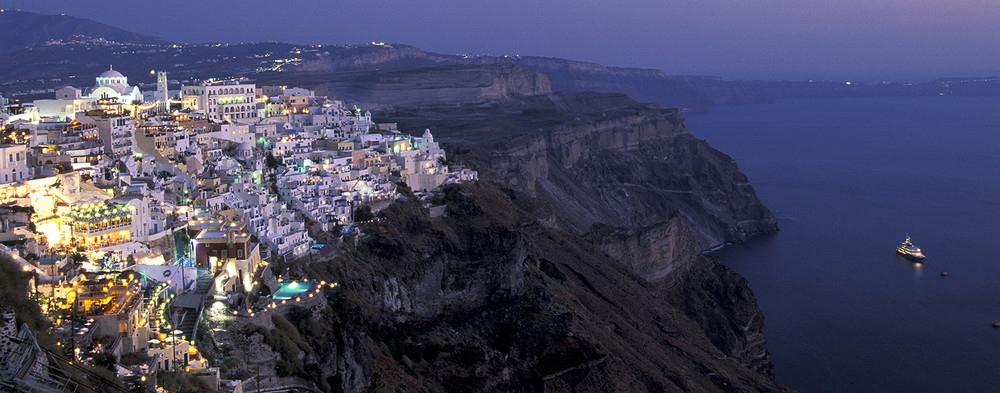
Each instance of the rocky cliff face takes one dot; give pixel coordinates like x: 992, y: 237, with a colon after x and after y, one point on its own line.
x: 591, y: 158
x: 652, y: 252
x: 487, y: 299
x: 580, y: 270
x: 634, y: 183
x: 646, y: 85
x: 425, y: 87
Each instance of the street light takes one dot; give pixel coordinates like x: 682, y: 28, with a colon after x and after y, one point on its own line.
x: 76, y: 300
x: 173, y: 334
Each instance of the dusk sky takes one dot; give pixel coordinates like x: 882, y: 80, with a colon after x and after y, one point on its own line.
x: 868, y: 40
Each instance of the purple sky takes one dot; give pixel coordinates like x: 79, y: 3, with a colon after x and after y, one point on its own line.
x: 869, y: 40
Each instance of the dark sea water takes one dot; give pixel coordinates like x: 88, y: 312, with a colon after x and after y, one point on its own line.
x: 848, y: 178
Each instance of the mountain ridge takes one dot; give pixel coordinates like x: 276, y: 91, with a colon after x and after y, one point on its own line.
x: 23, y: 29
x: 193, y: 62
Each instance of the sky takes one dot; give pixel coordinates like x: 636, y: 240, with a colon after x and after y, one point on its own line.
x: 861, y: 40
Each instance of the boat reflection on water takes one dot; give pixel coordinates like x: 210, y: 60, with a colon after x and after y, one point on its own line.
x: 918, y: 269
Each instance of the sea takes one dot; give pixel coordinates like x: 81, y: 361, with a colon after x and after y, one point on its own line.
x: 848, y: 179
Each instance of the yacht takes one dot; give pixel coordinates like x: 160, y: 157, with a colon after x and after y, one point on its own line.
x: 910, y: 251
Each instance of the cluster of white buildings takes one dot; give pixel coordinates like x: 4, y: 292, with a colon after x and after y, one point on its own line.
x: 123, y: 204
x: 272, y: 163
x: 119, y: 199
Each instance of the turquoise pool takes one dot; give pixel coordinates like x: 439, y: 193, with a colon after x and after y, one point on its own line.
x: 292, y: 289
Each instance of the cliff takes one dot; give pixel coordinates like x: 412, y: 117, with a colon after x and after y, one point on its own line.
x: 646, y: 85
x: 487, y: 299
x: 590, y: 158
x: 424, y: 86
x: 690, y: 92
x: 574, y: 265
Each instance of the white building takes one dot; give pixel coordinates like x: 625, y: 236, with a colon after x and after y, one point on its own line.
x: 238, y: 133
x: 13, y: 163
x: 424, y: 169
x: 117, y: 132
x: 223, y: 100
x: 69, y: 100
x: 113, y: 85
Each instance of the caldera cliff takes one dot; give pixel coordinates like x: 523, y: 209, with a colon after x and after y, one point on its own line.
x: 575, y: 264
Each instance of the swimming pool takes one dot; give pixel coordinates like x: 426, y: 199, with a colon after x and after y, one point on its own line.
x: 292, y: 289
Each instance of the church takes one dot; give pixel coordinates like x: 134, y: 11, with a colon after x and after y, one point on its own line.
x: 112, y: 84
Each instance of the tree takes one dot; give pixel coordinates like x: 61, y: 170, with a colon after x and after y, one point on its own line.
x: 105, y: 360
x: 78, y: 257
x: 363, y: 213
x: 403, y: 188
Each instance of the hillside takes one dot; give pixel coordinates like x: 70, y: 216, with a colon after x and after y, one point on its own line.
x: 574, y: 265
x: 22, y: 29
x: 486, y: 299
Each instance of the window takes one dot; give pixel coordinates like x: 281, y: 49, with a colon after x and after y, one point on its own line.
x: 239, y: 253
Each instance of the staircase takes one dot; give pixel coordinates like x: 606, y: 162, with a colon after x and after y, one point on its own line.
x: 188, y: 318
x: 204, y: 281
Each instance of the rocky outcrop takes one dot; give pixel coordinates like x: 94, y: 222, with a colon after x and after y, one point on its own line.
x: 425, y: 87
x: 652, y: 252
x: 633, y: 181
x: 604, y: 159
x: 643, y: 84
x: 724, y: 307
x: 718, y: 299
x: 487, y: 299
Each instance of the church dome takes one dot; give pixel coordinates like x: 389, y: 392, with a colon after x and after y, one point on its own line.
x: 111, y: 74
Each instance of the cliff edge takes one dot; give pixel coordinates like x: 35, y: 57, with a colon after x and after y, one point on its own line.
x: 487, y: 299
